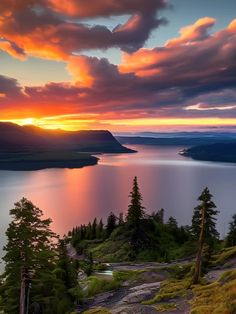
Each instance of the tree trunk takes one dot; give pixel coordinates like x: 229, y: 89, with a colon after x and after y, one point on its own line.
x: 198, y: 264
x: 22, y: 292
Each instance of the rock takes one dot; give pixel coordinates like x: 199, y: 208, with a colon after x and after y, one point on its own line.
x: 150, y: 286
x: 139, y: 293
x: 101, y: 299
x: 127, y: 283
x: 136, y: 297
x: 82, y: 275
x: 134, y: 309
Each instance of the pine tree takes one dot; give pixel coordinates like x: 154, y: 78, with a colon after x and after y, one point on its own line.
x: 111, y: 224
x: 121, y: 219
x: 135, y: 217
x: 94, y: 229
x: 135, y: 209
x: 172, y: 223
x: 89, y: 232
x: 159, y: 216
x: 65, y: 281
x: 204, y: 227
x: 100, y: 229
x: 210, y: 233
x: 231, y: 237
x: 29, y: 252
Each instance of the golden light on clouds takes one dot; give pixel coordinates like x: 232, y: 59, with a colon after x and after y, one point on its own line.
x: 91, y: 121
x: 65, y: 122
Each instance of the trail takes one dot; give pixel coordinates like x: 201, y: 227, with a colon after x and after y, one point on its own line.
x: 129, y: 297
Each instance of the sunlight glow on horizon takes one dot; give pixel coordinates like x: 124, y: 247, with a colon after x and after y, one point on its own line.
x: 74, y: 123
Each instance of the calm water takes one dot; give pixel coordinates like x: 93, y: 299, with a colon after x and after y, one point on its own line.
x: 73, y: 197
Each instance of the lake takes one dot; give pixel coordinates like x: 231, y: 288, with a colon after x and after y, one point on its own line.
x: 167, y: 180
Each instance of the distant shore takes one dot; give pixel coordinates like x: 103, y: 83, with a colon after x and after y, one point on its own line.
x: 46, y: 160
x: 218, y: 152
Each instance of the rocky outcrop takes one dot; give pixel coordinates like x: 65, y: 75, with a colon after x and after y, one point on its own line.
x: 140, y: 293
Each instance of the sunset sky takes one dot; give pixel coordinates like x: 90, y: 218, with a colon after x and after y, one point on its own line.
x: 122, y: 65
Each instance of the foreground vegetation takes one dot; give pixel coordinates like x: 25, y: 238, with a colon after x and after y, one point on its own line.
x: 217, y: 297
x: 138, y: 236
x: 40, y: 277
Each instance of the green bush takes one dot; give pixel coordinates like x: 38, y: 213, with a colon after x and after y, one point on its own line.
x: 131, y: 275
x: 97, y: 285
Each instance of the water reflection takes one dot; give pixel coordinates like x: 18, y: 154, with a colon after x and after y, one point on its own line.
x: 168, y: 180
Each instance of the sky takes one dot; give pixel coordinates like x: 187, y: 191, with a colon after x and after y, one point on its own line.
x: 126, y: 66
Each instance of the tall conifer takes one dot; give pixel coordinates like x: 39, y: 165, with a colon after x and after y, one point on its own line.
x: 29, y: 252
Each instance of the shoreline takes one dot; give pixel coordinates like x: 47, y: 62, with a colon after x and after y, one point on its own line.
x: 31, y: 161
x: 34, y: 166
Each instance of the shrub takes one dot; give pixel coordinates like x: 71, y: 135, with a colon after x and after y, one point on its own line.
x: 96, y: 285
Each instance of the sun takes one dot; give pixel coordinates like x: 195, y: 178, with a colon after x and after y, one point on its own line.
x: 28, y: 121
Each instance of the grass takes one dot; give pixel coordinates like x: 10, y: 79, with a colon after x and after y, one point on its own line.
x: 112, y: 250
x: 96, y: 285
x: 216, y: 298
x: 224, y: 256
x: 170, y: 289
x: 164, y: 307
x: 174, y: 287
x: 228, y: 276
x: 131, y: 275
x: 180, y: 271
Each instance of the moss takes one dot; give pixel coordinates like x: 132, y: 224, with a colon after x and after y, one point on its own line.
x: 223, y: 256
x: 180, y: 271
x: 228, y: 276
x: 97, y: 310
x: 164, y: 307
x: 131, y: 275
x: 170, y: 289
x: 216, y: 298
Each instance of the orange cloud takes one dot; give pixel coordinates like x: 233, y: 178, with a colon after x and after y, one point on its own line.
x: 232, y: 26
x: 46, y: 29
x: 160, y: 83
x: 12, y: 50
x: 95, y: 8
x: 80, y: 70
x: 192, y: 33
x: 178, y: 60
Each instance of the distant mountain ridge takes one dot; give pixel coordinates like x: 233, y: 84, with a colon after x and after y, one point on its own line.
x: 179, y: 139
x: 19, y: 138
x: 32, y: 148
